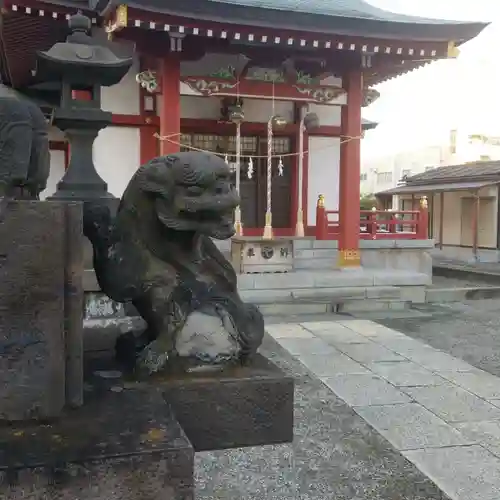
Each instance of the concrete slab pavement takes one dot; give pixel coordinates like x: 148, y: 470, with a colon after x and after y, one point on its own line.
x: 440, y: 412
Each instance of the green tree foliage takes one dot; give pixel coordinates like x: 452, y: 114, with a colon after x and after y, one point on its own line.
x: 367, y: 201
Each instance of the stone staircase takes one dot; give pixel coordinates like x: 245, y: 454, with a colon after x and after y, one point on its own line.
x: 315, y: 254
x: 317, y: 286
x: 333, y: 291
x: 314, y: 287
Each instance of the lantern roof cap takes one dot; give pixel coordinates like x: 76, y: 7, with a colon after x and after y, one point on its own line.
x: 368, y: 124
x: 82, y: 58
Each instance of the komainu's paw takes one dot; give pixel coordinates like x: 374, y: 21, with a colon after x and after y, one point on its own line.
x: 251, y: 337
x: 154, y: 357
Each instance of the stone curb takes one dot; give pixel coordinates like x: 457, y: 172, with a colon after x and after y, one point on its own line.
x: 441, y: 295
x: 466, y: 274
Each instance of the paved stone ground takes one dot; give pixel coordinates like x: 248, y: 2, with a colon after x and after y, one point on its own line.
x: 336, y: 455
x: 469, y: 330
x: 428, y: 383
x: 440, y: 412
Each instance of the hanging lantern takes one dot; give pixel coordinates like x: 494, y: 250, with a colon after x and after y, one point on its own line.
x: 311, y: 121
x: 278, y: 121
x: 236, y: 113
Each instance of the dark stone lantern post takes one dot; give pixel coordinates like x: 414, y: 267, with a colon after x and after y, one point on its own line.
x: 83, y: 66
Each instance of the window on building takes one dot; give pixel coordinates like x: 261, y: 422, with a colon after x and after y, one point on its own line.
x: 384, y: 177
x: 363, y: 176
x: 405, y: 173
x: 453, y: 141
x: 185, y: 142
x: 206, y: 142
x: 227, y: 144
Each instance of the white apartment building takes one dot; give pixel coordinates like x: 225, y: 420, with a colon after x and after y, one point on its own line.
x: 386, y: 172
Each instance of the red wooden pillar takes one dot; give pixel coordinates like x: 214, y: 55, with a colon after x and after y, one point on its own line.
x: 350, y: 169
x: 170, y: 110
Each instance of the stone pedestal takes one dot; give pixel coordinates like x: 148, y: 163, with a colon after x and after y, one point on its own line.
x: 118, y: 446
x: 131, y: 439
x: 40, y: 309
x: 233, y: 407
x: 243, y: 406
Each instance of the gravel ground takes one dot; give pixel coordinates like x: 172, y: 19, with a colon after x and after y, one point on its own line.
x: 335, y: 456
x: 469, y: 330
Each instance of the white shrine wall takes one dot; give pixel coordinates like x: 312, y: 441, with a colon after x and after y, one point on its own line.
x: 323, y: 170
x: 124, y: 97
x: 323, y: 163
x: 117, y: 149
x: 57, y: 164
x: 117, y: 156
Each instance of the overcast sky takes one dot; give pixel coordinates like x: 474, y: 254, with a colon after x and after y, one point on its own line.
x: 421, y: 107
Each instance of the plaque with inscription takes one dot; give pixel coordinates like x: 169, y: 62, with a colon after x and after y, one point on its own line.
x: 258, y: 255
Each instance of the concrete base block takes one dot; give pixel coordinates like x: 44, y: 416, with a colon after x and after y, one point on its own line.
x: 315, y: 263
x: 266, y: 296
x: 294, y: 309
x: 315, y: 253
x: 303, y: 244
x: 325, y: 244
x: 398, y: 305
x: 231, y: 407
x: 383, y: 292
x: 333, y: 295
x: 119, y: 446
x: 243, y: 406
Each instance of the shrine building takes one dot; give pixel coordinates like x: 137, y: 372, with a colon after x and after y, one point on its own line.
x: 291, y: 76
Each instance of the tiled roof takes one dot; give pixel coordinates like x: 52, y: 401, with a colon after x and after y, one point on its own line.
x: 444, y: 187
x: 465, y: 171
x: 346, y: 8
x: 341, y: 17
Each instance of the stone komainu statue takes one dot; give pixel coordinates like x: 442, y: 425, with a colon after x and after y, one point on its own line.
x: 158, y: 254
x: 24, y: 147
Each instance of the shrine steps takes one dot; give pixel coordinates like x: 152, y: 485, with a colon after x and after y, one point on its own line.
x: 333, y: 291
x: 315, y: 254
x: 285, y: 294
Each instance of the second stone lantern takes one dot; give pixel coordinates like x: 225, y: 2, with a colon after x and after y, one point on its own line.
x: 82, y: 65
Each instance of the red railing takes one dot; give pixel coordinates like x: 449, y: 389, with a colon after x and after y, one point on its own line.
x: 376, y: 224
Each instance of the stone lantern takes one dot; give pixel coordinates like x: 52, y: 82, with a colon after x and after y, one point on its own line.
x: 83, y: 65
